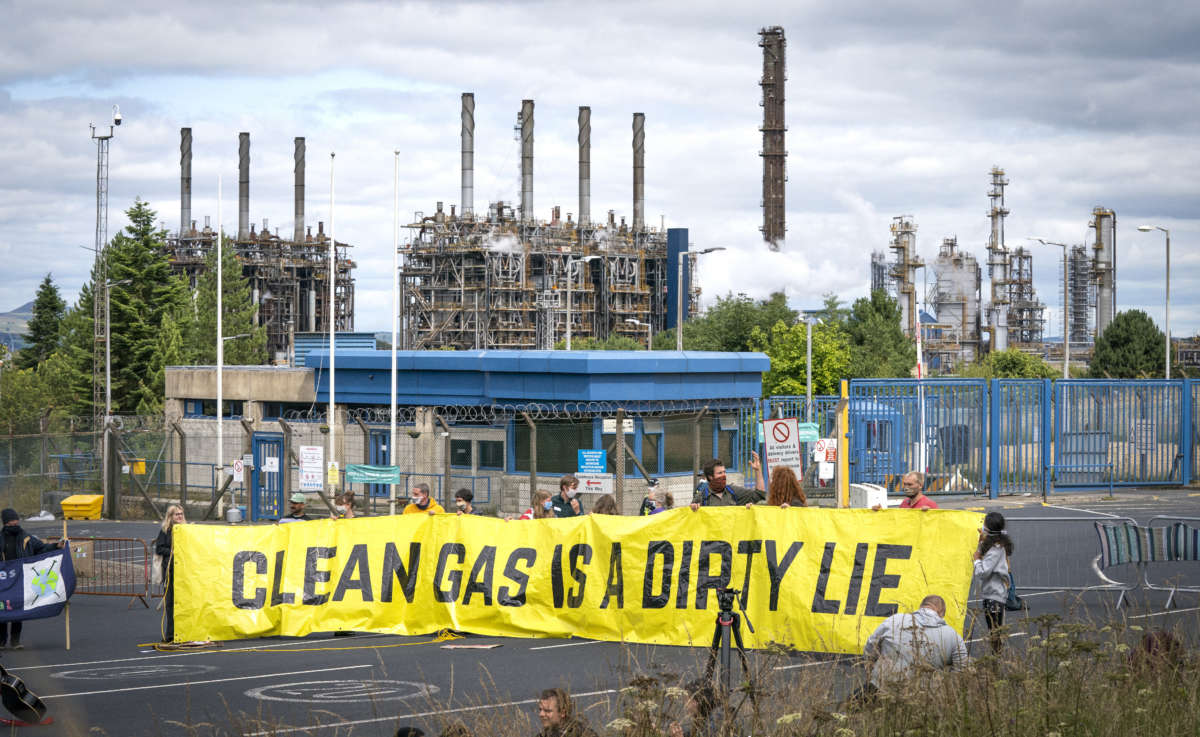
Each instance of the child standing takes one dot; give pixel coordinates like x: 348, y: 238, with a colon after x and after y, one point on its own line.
x: 991, y: 568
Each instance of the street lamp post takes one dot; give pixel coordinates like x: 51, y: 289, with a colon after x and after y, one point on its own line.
x: 571, y: 263
x: 1147, y: 229
x: 679, y: 301
x: 1066, y: 307
x: 640, y: 324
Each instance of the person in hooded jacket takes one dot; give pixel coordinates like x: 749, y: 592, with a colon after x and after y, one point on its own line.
x: 991, y: 568
x: 19, y: 544
x: 909, y: 642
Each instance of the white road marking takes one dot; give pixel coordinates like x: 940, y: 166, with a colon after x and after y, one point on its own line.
x: 568, y: 644
x: 190, y: 653
x: 393, y: 719
x: 1164, y: 612
x: 201, y: 683
x: 806, y: 665
x: 1085, y: 511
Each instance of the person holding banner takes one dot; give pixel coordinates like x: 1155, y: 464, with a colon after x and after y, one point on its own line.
x: 19, y: 544
x: 296, y: 513
x: 785, y: 490
x: 566, y: 503
x: 713, y: 491
x: 163, y: 546
x: 540, y: 506
x: 464, y: 502
x: 421, y: 503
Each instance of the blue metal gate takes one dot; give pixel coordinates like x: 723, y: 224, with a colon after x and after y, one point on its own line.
x: 1020, y: 433
x: 935, y: 425
x: 380, y: 454
x: 266, y: 498
x: 1129, y: 431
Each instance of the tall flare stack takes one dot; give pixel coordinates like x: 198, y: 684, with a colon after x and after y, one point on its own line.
x: 585, y: 166
x: 468, y: 154
x: 243, y: 186
x: 1104, y: 223
x: 774, y: 129
x: 526, y: 160
x: 639, y: 172
x: 185, y: 180
x: 298, y: 168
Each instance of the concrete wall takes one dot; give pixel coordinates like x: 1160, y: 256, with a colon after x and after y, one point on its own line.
x: 257, y: 383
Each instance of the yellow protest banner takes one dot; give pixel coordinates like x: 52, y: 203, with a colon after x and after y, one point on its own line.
x: 816, y: 579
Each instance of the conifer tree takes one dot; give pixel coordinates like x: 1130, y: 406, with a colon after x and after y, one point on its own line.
x: 43, y: 330
x: 238, y: 318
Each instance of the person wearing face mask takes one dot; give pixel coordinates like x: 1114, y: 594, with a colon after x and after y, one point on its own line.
x: 463, y: 499
x: 566, y: 503
x: 421, y: 503
x: 541, y: 507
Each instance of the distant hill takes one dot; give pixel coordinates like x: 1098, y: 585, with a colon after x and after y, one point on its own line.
x: 14, y: 324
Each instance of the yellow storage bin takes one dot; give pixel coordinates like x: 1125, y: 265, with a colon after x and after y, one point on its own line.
x: 83, y: 506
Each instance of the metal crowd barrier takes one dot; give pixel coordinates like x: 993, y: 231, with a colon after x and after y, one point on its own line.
x: 1181, y: 545
x: 111, y: 566
x: 1061, y: 560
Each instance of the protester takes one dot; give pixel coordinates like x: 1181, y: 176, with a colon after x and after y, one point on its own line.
x: 164, y: 548
x: 907, y: 643
x: 464, y: 502
x: 19, y: 544
x: 912, y: 484
x: 556, y: 710
x: 785, y: 490
x: 566, y: 502
x: 991, y: 568
x: 663, y: 501
x: 700, y: 709
x: 296, y: 513
x: 343, y: 506
x: 650, y: 501
x: 540, y: 506
x: 606, y: 504
x: 421, y: 503
x: 713, y: 491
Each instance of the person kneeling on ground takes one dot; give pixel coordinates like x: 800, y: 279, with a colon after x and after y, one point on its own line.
x: 908, y: 643
x: 556, y: 710
x: 19, y: 544
x: 700, y: 708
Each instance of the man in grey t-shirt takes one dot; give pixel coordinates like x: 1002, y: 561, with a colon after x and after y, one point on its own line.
x: 714, y: 492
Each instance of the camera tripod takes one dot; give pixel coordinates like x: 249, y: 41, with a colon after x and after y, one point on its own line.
x: 729, y: 624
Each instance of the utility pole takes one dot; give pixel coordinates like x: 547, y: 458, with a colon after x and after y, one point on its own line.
x: 100, y: 418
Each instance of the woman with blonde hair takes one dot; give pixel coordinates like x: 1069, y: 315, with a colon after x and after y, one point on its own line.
x: 163, y: 546
x: 784, y: 490
x: 540, y: 506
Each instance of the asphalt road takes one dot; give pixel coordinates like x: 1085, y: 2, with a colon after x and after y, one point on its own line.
x: 112, y: 681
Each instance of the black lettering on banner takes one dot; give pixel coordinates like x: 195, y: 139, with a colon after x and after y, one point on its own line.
x: 556, y: 577
x: 504, y: 596
x: 312, y: 576
x: 881, y: 579
x: 820, y: 604
x: 459, y: 551
x: 684, y: 579
x: 480, y: 580
x: 860, y: 564
x: 581, y: 553
x: 655, y: 550
x: 356, y: 563
x: 240, y: 559
x: 705, y: 581
x: 616, y: 579
x: 280, y: 597
x: 393, y: 565
x: 777, y: 569
x: 748, y: 548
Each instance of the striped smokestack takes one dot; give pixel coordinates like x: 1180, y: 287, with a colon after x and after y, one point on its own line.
x: 585, y: 166
x: 527, y: 159
x: 185, y: 180
x: 639, y: 171
x: 468, y: 154
x: 243, y: 186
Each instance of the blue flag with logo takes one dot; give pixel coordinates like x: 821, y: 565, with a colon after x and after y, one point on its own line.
x: 36, y: 587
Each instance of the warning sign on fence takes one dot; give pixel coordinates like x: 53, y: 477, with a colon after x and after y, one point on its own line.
x: 783, y: 443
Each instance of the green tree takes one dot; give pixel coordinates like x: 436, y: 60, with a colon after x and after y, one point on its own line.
x: 614, y: 342
x: 1011, y: 364
x: 786, y: 346
x: 1131, y: 347
x: 199, y: 335
x: 726, y: 326
x: 878, y: 346
x: 44, y: 328
x: 832, y: 312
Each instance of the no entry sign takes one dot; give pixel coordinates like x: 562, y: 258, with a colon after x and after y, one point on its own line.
x: 783, y: 443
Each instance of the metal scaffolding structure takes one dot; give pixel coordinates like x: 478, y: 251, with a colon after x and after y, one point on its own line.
x: 956, y: 342
x: 1081, y: 284
x: 904, y: 271
x: 289, y: 278
x: 774, y: 130
x: 879, y: 272
x: 1026, y: 314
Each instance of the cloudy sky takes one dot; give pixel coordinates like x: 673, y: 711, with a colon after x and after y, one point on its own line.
x: 893, y: 108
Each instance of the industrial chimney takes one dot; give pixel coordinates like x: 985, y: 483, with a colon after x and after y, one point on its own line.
x: 774, y: 152
x: 639, y: 172
x: 243, y: 186
x: 468, y: 154
x: 585, y: 166
x: 185, y: 181
x: 526, y: 160
x: 298, y: 167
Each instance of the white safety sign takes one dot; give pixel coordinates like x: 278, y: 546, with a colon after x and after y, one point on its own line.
x: 825, y: 450
x: 596, y: 483
x: 312, y: 467
x: 782, y: 443
x: 239, y: 470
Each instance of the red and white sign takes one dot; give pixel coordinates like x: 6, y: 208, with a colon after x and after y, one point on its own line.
x: 596, y: 483
x: 825, y: 450
x: 783, y: 443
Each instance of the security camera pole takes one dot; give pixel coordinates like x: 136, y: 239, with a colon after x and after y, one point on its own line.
x: 100, y: 305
